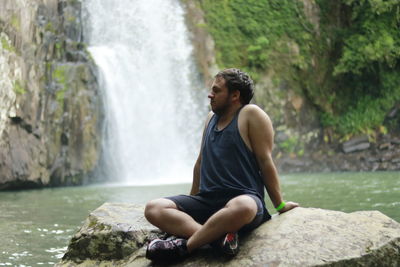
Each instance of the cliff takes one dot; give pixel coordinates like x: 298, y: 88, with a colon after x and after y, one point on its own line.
x: 49, y: 101
x: 116, y: 234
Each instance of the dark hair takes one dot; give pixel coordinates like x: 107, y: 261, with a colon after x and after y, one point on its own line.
x: 236, y: 79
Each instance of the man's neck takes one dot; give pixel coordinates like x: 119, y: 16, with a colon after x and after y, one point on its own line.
x: 226, y: 117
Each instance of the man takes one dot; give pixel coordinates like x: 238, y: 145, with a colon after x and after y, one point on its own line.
x: 232, y: 169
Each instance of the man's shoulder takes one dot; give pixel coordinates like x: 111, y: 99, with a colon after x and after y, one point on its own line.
x: 252, y: 111
x: 251, y: 108
x: 254, y: 115
x: 255, y: 125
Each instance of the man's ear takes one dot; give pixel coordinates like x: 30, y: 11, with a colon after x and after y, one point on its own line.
x: 236, y: 95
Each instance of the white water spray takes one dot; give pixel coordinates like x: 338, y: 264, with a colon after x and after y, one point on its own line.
x: 154, y: 108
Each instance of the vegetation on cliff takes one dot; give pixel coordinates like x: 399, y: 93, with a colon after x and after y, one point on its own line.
x: 342, y: 56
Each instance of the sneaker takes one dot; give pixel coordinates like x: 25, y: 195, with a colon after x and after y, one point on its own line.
x: 228, y: 244
x: 166, y: 250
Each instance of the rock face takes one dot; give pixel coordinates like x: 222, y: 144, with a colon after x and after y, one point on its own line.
x: 116, y: 235
x: 203, y: 43
x: 357, y: 154
x: 49, y: 102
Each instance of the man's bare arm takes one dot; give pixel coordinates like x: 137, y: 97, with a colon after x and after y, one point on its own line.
x: 196, y: 169
x: 196, y: 177
x: 261, y: 137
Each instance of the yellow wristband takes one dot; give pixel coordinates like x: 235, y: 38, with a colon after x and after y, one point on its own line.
x: 281, y: 206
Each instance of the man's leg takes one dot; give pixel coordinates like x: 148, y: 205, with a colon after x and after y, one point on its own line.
x: 164, y: 214
x: 238, y: 212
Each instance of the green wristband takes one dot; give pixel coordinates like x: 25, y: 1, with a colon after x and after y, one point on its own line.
x: 281, y: 206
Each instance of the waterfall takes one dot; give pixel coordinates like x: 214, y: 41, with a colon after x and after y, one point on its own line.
x: 155, y: 105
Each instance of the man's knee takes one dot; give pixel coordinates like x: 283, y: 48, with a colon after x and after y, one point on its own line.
x: 153, y: 209
x: 244, y: 207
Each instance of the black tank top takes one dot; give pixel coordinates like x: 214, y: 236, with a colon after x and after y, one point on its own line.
x: 227, y: 164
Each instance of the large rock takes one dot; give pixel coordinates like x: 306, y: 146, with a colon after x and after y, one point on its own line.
x: 116, y: 235
x: 49, y: 100
x: 356, y: 144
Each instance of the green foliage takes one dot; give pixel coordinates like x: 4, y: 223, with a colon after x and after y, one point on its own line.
x: 368, y: 66
x: 247, y: 32
x: 289, y: 145
x: 367, y: 113
x: 373, y: 37
x: 292, y: 145
x: 348, y: 69
x: 258, y: 53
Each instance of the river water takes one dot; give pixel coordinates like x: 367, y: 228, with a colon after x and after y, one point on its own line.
x: 36, y: 225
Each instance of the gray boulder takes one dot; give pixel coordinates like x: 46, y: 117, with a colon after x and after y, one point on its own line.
x: 116, y: 235
x: 356, y: 144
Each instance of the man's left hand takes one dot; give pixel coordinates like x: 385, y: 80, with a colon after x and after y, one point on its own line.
x: 289, y: 205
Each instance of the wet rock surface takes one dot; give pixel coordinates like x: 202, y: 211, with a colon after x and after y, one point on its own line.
x: 50, y: 106
x: 116, y: 235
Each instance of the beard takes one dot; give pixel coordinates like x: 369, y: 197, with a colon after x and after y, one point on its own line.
x: 221, y: 107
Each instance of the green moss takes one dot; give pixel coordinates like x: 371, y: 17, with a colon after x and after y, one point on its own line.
x: 59, y: 49
x: 50, y: 27
x: 6, y: 45
x: 59, y: 75
x: 201, y: 25
x: 18, y: 88
x: 96, y: 225
x: 74, y: 2
x: 71, y: 19
x: 100, y: 227
x: 15, y: 22
x: 93, y: 223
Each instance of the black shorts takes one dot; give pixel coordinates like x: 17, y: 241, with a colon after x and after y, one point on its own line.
x: 202, y: 206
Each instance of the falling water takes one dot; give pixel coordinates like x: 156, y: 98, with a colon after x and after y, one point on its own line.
x: 154, y: 106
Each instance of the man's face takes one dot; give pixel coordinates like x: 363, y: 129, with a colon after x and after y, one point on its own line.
x: 219, y: 96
